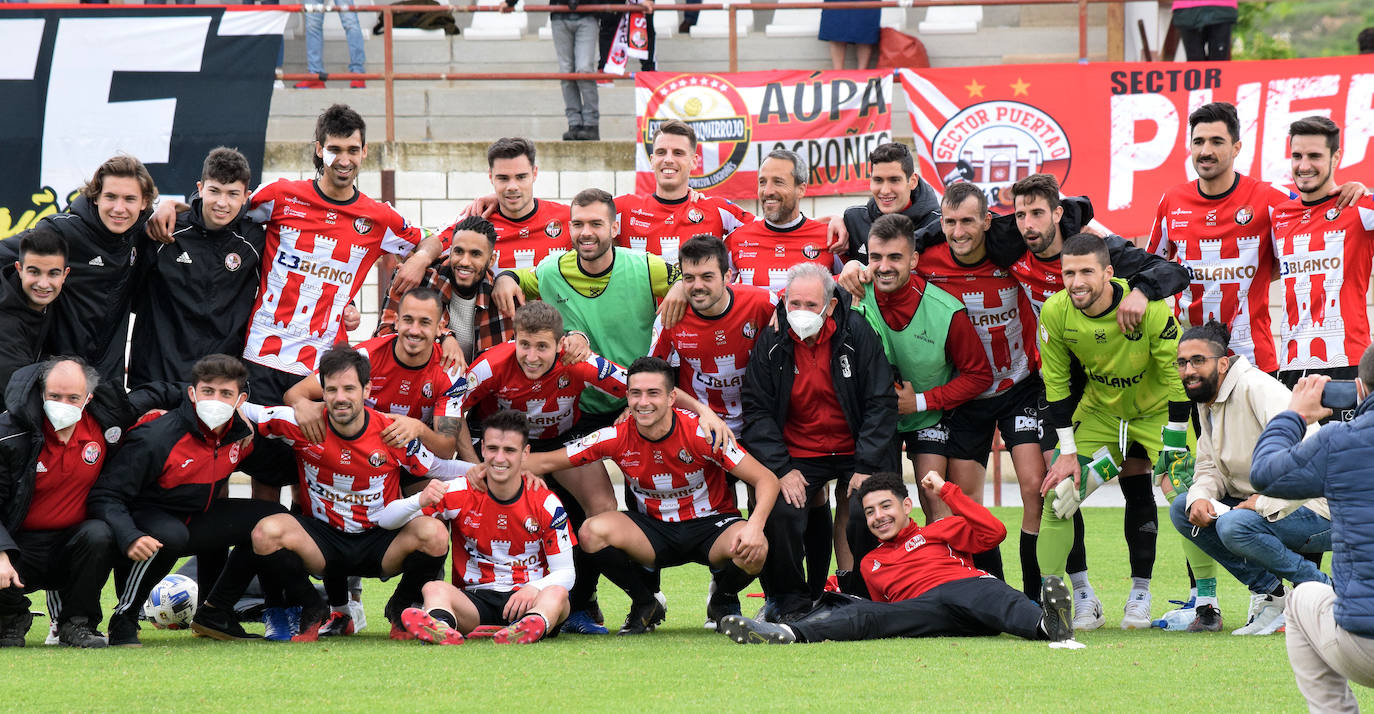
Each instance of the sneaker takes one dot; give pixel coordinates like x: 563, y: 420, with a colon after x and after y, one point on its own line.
x: 311, y: 619
x: 527, y: 629
x: 310, y: 84
x: 52, y: 638
x: 422, y: 626
x: 338, y: 624
x: 1268, y: 619
x: 718, y: 605
x: 14, y: 627
x: 588, y: 133
x: 755, y: 632
x: 1137, y: 612
x: 217, y: 624
x: 1208, y: 619
x: 581, y: 623
x: 572, y: 134
x: 123, y: 631
x: 277, y: 621
x: 1087, y: 614
x: 355, y: 611
x: 358, y: 84
x: 1057, y: 603
x: 77, y: 632
x: 643, y: 618
x: 1178, y: 619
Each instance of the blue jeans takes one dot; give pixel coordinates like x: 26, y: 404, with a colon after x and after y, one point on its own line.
x: 1258, y: 552
x: 314, y: 41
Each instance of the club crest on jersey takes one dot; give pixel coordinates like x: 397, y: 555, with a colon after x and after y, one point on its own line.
x: 590, y: 439
x: 427, y: 391
x: 377, y: 458
x: 563, y: 381
x: 1100, y: 336
x: 997, y: 143
x: 811, y: 252
x: 363, y: 225
x: 91, y: 452
x: 234, y: 453
x: 553, y: 229
x: 1132, y: 336
x: 1244, y: 215
x: 232, y: 262
x: 684, y: 457
x: 113, y: 434
x: 695, y: 215
x: 531, y: 525
x: 1332, y: 213
x: 749, y: 330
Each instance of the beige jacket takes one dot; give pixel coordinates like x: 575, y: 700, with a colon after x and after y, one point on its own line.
x: 1246, y: 400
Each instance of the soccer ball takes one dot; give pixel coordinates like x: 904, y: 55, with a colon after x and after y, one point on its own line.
x: 172, y: 603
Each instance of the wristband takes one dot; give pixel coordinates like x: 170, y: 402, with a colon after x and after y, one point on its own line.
x: 1066, y: 442
x: 1175, y: 436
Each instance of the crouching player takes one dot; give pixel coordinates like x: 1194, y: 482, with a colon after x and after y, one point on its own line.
x: 922, y: 580
x: 685, y: 511
x: 512, y: 548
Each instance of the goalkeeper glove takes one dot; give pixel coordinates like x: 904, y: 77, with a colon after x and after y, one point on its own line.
x: 1174, y: 467
x: 1097, y: 470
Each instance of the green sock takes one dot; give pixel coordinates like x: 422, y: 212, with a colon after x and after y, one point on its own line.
x: 1055, y: 541
x: 1207, y: 587
x: 1203, y: 565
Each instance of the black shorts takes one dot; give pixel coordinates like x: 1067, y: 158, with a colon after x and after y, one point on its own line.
x: 267, y: 385
x: 679, y: 542
x: 490, y: 605
x: 933, y: 439
x: 349, y: 553
x: 1014, y: 412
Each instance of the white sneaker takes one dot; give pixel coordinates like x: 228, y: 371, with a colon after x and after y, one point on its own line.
x: 355, y: 611
x: 1137, y: 612
x: 52, y: 635
x: 1268, y: 619
x: 1087, y: 614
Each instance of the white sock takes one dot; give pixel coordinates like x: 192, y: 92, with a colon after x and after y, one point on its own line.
x: 1209, y: 601
x: 1140, y: 588
x: 1192, y: 593
x: 1082, y: 589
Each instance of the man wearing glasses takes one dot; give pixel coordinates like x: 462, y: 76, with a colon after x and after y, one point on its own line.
x: 1258, y: 539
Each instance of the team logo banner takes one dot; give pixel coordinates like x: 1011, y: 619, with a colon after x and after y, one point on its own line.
x: 832, y: 119
x: 1118, y: 131
x: 165, y: 86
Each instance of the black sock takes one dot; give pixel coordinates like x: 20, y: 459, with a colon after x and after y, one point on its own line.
x: 336, y: 590
x: 583, y: 592
x: 417, y: 569
x: 1278, y: 590
x: 625, y: 573
x: 730, y: 578
x: 990, y: 561
x: 818, y: 539
x: 653, y: 579
x: 1141, y: 524
x: 1030, y: 566
x: 234, y: 579
x: 1078, y: 555
x: 289, y: 570
x: 444, y: 616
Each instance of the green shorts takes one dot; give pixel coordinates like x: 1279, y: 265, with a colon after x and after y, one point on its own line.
x: 1123, y: 438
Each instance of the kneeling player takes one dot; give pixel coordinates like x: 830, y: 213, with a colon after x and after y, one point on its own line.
x: 921, y: 579
x: 512, y: 548
x: 685, y: 510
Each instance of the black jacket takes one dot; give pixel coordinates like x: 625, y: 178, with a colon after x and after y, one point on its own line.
x: 923, y: 211
x: 863, y: 386
x: 195, y: 296
x: 91, y: 319
x: 22, y: 328
x: 169, y: 463
x: 21, y: 441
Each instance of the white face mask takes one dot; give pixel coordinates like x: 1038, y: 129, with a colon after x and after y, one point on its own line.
x: 805, y: 323
x: 61, y: 415
x: 214, y: 413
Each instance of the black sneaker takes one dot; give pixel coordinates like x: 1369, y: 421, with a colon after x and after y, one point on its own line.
x: 574, y: 133
x: 337, y: 624
x: 123, y: 631
x: 588, y: 133
x: 14, y: 627
x: 78, y: 632
x: 753, y: 632
x: 219, y: 625
x: 643, y: 618
x: 1208, y: 619
x: 1057, y: 604
x: 312, y: 617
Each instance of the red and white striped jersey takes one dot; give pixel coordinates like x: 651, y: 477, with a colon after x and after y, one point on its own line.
x: 501, y: 546
x: 523, y: 242
x: 1040, y: 278
x: 1225, y: 242
x: 346, y: 482
x: 495, y: 381
x: 1324, y: 261
x: 712, y: 352
x: 998, y: 308
x: 318, y: 253
x: 659, y: 226
x: 762, y: 254
x: 417, y: 392
x: 677, y: 478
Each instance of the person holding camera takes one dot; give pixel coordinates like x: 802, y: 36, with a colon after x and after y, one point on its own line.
x: 1257, y: 538
x: 1330, y: 626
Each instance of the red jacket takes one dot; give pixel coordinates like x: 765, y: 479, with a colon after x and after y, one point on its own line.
x: 919, y: 559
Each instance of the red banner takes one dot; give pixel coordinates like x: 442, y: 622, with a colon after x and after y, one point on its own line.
x: 832, y: 119
x: 1117, y: 132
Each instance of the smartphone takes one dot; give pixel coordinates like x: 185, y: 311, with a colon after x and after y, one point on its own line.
x: 1339, y: 394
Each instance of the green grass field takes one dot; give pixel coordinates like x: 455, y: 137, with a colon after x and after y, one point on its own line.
x: 684, y: 667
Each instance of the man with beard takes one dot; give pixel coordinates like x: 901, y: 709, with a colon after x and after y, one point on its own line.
x: 763, y: 251
x: 1132, y: 407
x: 1257, y: 538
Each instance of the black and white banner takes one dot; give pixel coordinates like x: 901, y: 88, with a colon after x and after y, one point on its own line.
x: 166, y: 85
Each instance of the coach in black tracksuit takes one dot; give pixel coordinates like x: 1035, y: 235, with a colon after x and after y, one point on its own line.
x: 195, y: 295
x: 168, y: 483
x: 862, y: 384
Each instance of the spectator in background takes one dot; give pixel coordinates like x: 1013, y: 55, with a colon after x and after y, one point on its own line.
x: 610, y: 26
x: 575, y: 37
x: 842, y: 28
x: 314, y: 48
x: 689, y: 18
x: 1365, y: 41
x: 1204, y: 27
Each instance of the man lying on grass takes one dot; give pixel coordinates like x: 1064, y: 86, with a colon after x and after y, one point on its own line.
x: 922, y: 580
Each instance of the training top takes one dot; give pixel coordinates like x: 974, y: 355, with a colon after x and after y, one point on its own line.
x: 1129, y: 375
x: 1324, y: 262
x: 660, y: 226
